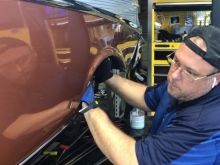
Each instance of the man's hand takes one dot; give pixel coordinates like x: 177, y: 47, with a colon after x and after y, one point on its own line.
x: 104, y: 71
x: 88, y: 96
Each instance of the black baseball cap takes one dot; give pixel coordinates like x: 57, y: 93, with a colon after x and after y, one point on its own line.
x: 211, y: 35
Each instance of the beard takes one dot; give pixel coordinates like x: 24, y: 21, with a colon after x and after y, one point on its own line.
x: 175, y: 91
x: 185, y: 94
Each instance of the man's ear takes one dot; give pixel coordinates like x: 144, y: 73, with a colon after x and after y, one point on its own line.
x: 217, y: 78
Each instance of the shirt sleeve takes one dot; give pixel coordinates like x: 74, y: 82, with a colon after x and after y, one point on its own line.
x: 153, y: 95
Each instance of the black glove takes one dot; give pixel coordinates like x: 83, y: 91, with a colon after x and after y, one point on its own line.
x: 104, y: 71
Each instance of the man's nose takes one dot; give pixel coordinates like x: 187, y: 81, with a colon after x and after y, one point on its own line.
x: 176, y: 74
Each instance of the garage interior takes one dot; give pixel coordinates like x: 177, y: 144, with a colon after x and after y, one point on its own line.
x: 162, y: 35
x: 163, y: 25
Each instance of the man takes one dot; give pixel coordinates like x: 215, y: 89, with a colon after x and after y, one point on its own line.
x: 186, y: 127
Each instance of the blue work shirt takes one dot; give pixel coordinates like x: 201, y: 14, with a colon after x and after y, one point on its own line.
x: 186, y: 133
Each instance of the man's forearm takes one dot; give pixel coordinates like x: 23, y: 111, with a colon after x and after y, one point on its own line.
x: 130, y: 91
x: 116, y: 145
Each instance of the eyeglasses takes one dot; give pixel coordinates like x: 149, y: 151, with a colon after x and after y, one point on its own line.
x: 173, y: 62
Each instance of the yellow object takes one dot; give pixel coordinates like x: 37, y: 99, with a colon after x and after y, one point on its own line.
x: 166, y: 45
x: 129, y: 45
x: 161, y: 19
x: 51, y: 153
x: 159, y: 62
x: 152, y: 113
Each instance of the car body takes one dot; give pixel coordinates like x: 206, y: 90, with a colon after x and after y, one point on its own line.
x: 49, y: 52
